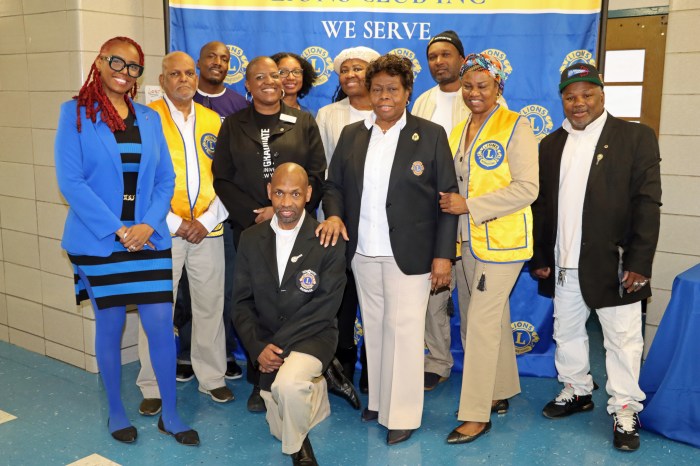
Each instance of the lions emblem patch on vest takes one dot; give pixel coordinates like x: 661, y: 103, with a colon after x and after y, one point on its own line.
x: 208, y: 143
x: 489, y: 155
x: 308, y: 281
x: 417, y: 168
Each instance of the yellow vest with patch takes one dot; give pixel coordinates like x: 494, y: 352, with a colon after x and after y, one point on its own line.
x: 508, y: 238
x: 206, y: 130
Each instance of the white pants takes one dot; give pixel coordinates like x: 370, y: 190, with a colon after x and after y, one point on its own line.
x: 205, y: 270
x: 622, y: 338
x: 393, y: 307
x: 298, y: 400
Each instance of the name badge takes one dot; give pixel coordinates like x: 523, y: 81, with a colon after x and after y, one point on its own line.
x: 288, y: 118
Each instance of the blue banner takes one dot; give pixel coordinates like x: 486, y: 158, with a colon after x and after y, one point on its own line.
x: 534, y: 40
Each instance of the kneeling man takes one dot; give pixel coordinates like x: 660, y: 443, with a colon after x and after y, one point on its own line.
x: 287, y: 290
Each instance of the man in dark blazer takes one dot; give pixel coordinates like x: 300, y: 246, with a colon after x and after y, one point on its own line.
x: 287, y: 289
x: 596, y: 225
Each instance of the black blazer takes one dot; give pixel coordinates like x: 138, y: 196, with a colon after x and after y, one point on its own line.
x: 620, y: 208
x: 290, y: 316
x: 237, y: 165
x: 418, y: 230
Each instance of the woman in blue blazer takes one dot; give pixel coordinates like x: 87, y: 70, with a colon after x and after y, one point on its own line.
x: 115, y: 171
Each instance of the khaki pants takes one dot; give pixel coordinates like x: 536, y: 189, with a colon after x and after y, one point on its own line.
x: 298, y: 400
x: 205, y: 270
x: 437, y: 323
x: 490, y: 370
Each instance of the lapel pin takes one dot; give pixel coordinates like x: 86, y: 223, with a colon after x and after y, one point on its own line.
x: 415, y: 137
x: 598, y: 158
x: 296, y: 258
x: 605, y: 146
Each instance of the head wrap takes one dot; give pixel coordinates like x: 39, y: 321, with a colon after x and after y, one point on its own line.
x: 361, y: 53
x: 487, y: 63
x: 448, y: 36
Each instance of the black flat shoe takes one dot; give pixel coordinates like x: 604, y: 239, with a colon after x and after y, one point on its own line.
x: 456, y: 437
x: 395, y: 436
x: 340, y: 385
x: 125, y: 435
x: 368, y: 415
x: 500, y: 407
x: 187, y: 437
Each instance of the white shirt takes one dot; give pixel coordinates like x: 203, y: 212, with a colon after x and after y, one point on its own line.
x: 284, y: 242
x: 443, y: 109
x: 216, y: 213
x: 576, y: 162
x: 373, y: 230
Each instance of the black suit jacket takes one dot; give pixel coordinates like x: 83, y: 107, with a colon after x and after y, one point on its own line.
x: 418, y: 230
x: 237, y: 165
x: 286, y: 315
x: 620, y: 208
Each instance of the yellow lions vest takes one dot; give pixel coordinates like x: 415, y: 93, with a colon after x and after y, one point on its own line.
x: 206, y: 129
x: 508, y: 238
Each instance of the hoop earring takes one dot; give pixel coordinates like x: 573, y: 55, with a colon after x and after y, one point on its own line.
x: 283, y: 94
x: 247, y: 95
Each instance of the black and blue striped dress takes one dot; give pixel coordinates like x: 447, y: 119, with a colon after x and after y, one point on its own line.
x: 143, y: 277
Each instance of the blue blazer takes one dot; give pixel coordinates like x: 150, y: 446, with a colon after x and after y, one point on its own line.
x: 89, y: 171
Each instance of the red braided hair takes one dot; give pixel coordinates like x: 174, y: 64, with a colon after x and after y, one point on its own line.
x: 92, y: 95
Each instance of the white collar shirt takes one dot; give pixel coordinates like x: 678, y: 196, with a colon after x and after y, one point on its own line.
x: 576, y: 161
x: 284, y: 242
x: 373, y: 230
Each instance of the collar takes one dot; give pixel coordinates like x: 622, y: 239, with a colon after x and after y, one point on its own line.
x: 372, y: 118
x: 274, y: 224
x: 174, y: 110
x: 211, y: 95
x: 593, y: 126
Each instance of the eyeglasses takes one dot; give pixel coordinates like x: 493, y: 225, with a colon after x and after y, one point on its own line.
x: 118, y: 63
x: 297, y: 72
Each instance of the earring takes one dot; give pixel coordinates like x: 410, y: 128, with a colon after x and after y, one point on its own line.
x: 283, y: 94
x: 248, y: 97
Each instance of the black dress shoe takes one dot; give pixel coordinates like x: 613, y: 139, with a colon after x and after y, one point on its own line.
x: 368, y: 415
x: 255, y: 402
x: 395, y: 436
x: 305, y: 456
x: 456, y: 437
x: 125, y: 435
x: 187, y: 437
x: 340, y: 385
x: 500, y: 407
x: 431, y: 380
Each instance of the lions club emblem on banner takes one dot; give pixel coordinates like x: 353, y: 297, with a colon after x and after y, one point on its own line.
x: 411, y: 56
x: 208, y: 143
x: 524, y: 336
x: 540, y: 121
x: 501, y: 56
x: 577, y: 56
x: 308, y: 281
x: 237, y: 65
x: 489, y: 155
x: 321, y: 61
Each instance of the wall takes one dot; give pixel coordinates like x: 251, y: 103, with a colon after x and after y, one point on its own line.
x: 46, y: 49
x: 679, y: 139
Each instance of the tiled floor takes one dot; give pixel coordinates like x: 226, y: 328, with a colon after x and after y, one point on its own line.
x: 61, y: 418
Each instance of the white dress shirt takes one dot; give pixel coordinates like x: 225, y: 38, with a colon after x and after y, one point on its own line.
x: 284, y: 242
x: 576, y: 162
x: 373, y: 231
x: 216, y: 213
